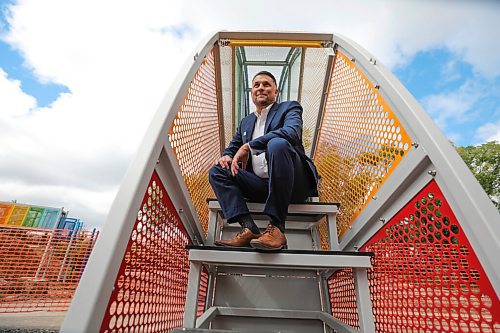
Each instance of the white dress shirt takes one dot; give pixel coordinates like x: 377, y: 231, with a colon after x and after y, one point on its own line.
x: 259, y: 162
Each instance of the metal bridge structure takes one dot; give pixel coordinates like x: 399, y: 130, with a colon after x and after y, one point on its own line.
x: 402, y: 237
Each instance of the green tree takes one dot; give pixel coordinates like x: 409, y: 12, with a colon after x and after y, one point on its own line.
x: 484, y: 162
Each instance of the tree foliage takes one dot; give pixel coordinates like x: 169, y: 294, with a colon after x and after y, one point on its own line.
x: 484, y: 162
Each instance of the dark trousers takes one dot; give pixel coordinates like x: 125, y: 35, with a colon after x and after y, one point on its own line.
x: 288, y: 183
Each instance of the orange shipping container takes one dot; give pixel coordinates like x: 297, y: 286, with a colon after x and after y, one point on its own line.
x: 18, y: 214
x: 5, y: 211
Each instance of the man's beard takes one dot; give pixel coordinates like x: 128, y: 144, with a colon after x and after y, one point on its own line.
x: 263, y: 103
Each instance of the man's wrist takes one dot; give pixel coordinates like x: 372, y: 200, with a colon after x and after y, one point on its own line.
x: 250, y: 149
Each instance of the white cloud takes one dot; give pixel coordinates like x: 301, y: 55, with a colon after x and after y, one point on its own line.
x: 393, y: 31
x: 75, y: 152
x: 13, y: 101
x: 450, y: 72
x: 455, y: 106
x: 118, y: 58
x: 488, y: 132
x: 464, y: 27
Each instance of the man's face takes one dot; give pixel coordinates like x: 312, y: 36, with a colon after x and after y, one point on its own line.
x: 264, y: 91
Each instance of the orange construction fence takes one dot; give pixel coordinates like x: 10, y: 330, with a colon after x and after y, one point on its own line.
x: 40, y: 268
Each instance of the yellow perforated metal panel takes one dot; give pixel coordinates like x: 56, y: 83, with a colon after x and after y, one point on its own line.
x: 360, y: 142
x: 194, y: 136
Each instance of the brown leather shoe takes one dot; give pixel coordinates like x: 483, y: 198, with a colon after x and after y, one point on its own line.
x: 271, y: 240
x: 243, y: 238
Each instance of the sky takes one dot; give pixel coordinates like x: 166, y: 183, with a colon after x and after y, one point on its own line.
x: 81, y: 80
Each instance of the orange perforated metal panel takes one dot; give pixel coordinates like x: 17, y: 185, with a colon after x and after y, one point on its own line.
x: 194, y: 136
x: 150, y: 289
x: 40, y: 268
x: 360, y: 142
x: 426, y: 277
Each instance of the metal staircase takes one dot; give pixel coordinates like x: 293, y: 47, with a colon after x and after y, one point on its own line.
x: 285, y: 291
x: 411, y: 248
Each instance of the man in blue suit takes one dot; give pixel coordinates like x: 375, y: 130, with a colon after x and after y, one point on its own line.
x: 264, y: 162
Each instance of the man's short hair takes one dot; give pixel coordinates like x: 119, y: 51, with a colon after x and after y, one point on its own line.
x: 267, y: 74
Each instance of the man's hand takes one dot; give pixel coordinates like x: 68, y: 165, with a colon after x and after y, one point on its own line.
x: 225, y: 161
x: 241, y: 156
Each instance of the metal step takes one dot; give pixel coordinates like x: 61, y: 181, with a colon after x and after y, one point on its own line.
x: 312, y: 265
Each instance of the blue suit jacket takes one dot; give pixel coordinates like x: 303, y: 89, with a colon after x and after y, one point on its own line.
x: 284, y: 120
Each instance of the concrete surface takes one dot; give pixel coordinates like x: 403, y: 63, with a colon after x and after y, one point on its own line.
x: 31, y: 322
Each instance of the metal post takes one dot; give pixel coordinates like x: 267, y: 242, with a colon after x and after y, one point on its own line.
x: 326, y: 305
x: 69, y: 261
x: 212, y: 226
x: 89, y: 249
x: 316, y: 238
x: 218, y: 89
x: 301, y: 75
x: 212, y: 282
x: 44, y: 255
x: 324, y: 95
x: 363, y: 300
x: 233, y: 90
x: 192, y: 295
x: 68, y: 247
x: 333, y: 238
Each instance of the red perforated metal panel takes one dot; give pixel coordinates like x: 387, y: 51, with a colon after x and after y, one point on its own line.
x: 150, y: 289
x: 426, y: 277
x: 343, y: 297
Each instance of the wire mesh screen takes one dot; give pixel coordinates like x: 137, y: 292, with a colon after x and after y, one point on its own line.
x: 194, y: 136
x: 425, y: 277
x: 315, y: 63
x: 360, y: 142
x: 226, y: 61
x: 294, y: 79
x: 150, y: 288
x: 280, y: 60
x: 40, y: 268
x: 266, y: 53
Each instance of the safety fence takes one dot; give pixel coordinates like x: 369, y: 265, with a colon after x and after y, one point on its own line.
x: 39, y: 268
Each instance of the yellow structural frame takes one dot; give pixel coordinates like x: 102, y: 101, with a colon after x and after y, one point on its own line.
x: 276, y: 42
